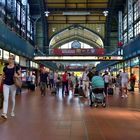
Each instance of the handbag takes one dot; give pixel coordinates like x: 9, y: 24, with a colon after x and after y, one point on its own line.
x: 17, y: 81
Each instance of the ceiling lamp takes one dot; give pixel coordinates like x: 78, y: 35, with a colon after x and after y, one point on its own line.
x: 46, y: 13
x: 76, y: 13
x: 105, y: 13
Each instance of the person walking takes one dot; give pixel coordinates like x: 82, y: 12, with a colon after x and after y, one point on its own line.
x: 9, y: 72
x: 65, y: 83
x: 73, y: 82
x: 85, y: 80
x: 132, y: 82
x: 42, y: 81
x: 29, y: 81
x: 106, y: 80
x: 51, y: 79
x: 124, y: 83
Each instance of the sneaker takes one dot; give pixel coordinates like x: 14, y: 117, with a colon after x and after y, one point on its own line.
x: 12, y: 114
x: 126, y: 95
x: 4, y: 116
x: 122, y: 96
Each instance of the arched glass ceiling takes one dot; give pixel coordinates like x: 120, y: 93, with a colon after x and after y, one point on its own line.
x: 78, y: 33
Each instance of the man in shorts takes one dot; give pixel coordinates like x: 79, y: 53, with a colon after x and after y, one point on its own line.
x: 124, y: 83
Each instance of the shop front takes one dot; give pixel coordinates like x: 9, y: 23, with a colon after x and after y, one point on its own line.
x: 135, y: 69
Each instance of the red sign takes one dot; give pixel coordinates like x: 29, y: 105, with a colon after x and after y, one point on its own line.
x: 94, y: 51
x: 120, y: 44
x: 75, y: 67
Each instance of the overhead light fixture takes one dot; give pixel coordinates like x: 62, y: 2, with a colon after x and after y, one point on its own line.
x: 53, y: 29
x: 46, y: 13
x: 76, y: 13
x: 105, y: 13
x: 98, y: 29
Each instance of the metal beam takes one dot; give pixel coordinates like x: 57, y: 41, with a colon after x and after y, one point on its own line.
x: 80, y: 2
x: 44, y: 24
x: 75, y: 9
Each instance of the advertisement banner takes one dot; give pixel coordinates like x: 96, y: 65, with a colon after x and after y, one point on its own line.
x: 94, y: 51
x: 75, y: 68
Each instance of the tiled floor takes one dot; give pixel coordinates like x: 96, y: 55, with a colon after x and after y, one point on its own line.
x: 70, y: 118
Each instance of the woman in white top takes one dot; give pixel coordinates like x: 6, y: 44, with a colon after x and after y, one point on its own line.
x: 72, y: 82
x: 85, y: 79
x: 106, y: 80
x: 9, y: 73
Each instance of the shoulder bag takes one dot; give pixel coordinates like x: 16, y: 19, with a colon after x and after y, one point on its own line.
x: 17, y: 80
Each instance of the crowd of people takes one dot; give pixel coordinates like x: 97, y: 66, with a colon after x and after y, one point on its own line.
x: 69, y: 81
x: 66, y: 81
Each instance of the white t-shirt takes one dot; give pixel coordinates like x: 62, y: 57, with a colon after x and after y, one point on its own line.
x: 33, y: 79
x: 106, y: 78
x: 85, y: 77
x: 55, y: 76
x: 124, y: 77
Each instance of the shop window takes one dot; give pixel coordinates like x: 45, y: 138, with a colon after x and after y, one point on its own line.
x: 2, y: 11
x: 137, y: 28
x: 18, y: 11
x: 2, y: 2
x: 23, y: 16
x: 125, y: 22
x: 125, y: 38
x: 24, y: 2
x: 28, y: 24
x: 136, y: 11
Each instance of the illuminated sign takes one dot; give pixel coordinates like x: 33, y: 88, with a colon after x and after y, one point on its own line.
x: 17, y: 59
x: 77, y: 58
x: 79, y: 74
x: 0, y: 53
x: 5, y: 55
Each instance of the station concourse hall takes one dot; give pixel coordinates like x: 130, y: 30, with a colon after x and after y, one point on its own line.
x: 69, y: 69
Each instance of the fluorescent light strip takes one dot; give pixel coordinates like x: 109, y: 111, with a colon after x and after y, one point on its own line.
x: 77, y: 58
x: 76, y: 13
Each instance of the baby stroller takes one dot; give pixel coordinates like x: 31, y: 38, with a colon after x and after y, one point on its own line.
x: 97, y: 97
